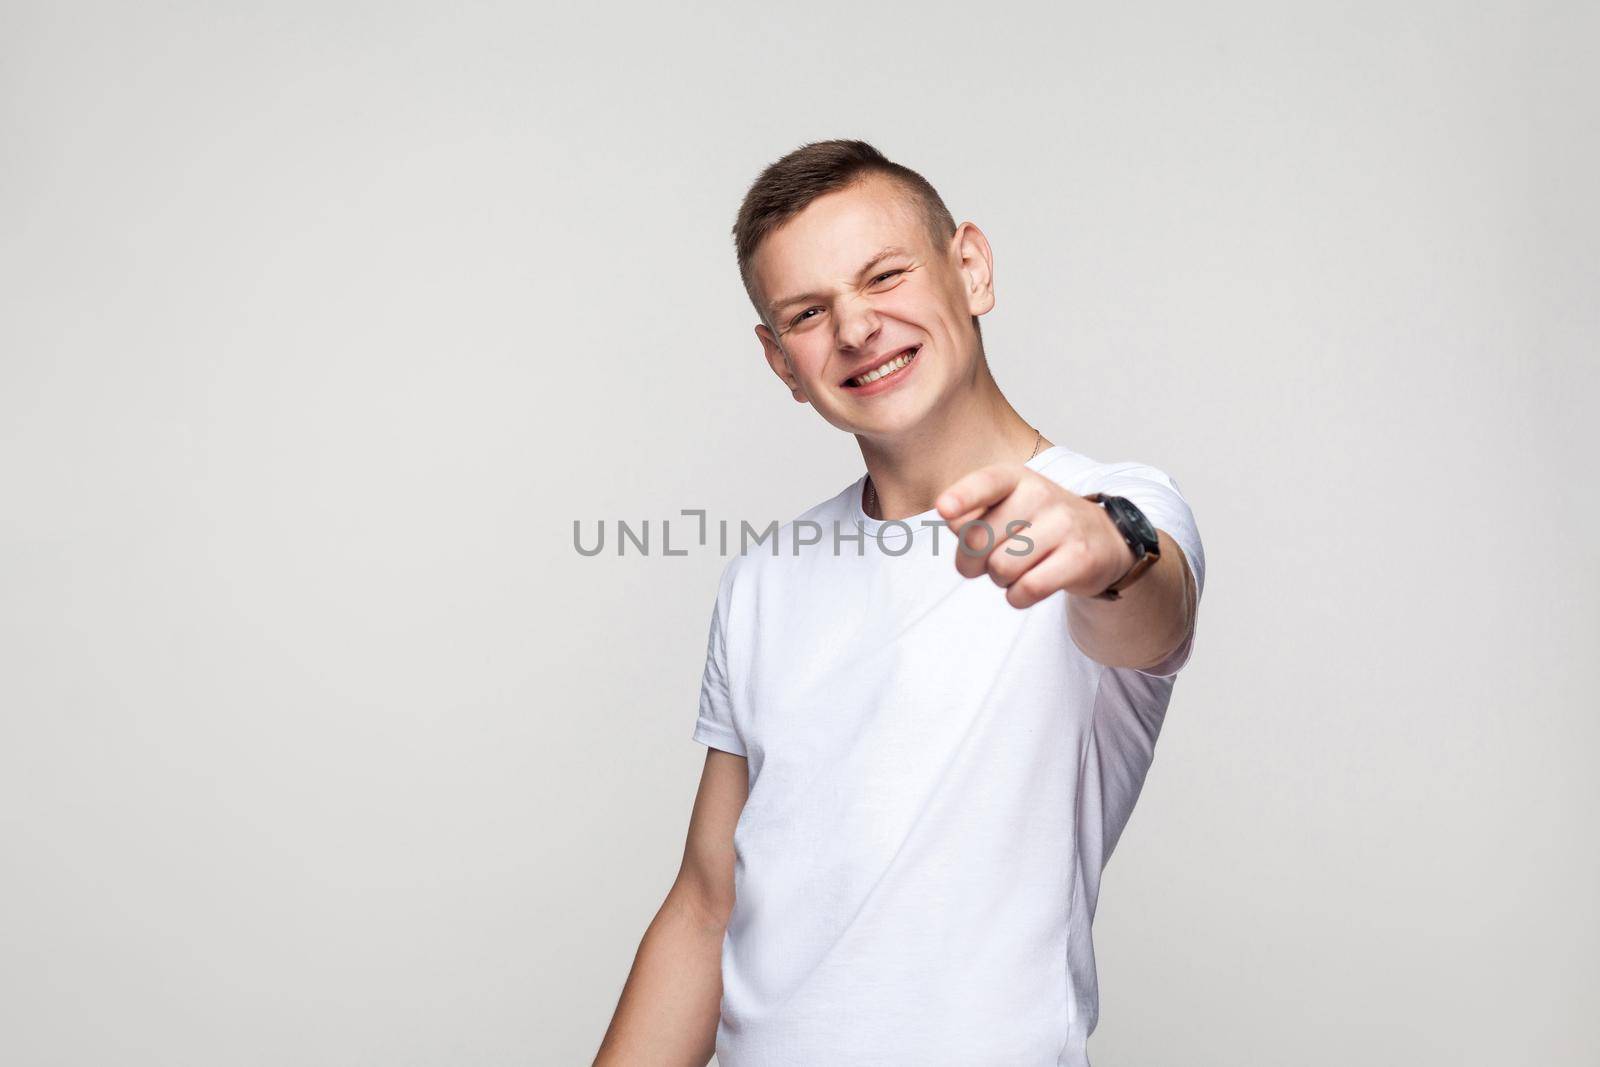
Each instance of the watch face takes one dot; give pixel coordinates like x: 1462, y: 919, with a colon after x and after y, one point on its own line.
x: 1137, y: 523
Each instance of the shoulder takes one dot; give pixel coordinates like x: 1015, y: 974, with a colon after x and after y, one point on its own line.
x: 1068, y: 468
x: 1084, y: 475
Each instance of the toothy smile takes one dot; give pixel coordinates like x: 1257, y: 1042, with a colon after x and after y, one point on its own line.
x: 891, y: 366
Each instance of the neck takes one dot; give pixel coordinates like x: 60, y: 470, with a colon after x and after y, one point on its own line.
x: 978, y: 428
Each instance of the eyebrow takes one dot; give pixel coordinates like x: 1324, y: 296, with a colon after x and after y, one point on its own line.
x: 886, y: 253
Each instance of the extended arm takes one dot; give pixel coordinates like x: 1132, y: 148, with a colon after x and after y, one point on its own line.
x: 667, y: 1014
x: 1070, y: 544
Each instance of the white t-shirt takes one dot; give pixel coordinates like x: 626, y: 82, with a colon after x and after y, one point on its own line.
x: 936, y: 781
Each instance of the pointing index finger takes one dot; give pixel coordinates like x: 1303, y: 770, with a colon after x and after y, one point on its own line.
x: 978, y: 491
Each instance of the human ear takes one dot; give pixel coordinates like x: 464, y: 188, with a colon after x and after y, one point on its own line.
x: 975, y: 265
x: 779, y: 362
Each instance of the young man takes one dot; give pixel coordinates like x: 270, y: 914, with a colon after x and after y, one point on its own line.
x: 913, y: 778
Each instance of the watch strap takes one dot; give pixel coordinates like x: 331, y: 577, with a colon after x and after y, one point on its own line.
x: 1113, y: 591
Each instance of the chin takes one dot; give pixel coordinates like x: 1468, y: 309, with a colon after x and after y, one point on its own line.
x: 890, y: 418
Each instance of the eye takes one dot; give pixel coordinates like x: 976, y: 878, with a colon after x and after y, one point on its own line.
x: 887, y: 274
x: 798, y: 319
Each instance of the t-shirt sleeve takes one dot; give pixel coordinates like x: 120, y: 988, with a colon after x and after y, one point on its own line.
x: 1157, y: 495
x: 714, y: 726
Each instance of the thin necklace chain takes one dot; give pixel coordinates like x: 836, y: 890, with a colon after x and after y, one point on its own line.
x: 872, y: 491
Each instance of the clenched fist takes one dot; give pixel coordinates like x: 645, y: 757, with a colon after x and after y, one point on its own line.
x: 1031, y: 536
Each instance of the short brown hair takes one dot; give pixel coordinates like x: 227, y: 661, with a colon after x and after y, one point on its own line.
x: 785, y: 188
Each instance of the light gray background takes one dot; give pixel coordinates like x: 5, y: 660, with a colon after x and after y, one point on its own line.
x: 322, y: 323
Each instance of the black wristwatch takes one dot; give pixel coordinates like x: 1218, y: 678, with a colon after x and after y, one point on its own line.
x: 1137, y: 531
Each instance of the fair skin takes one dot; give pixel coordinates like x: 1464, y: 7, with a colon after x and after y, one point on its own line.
x: 855, y: 279
x: 667, y: 1015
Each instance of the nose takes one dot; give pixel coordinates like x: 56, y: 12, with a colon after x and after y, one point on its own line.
x: 858, y: 324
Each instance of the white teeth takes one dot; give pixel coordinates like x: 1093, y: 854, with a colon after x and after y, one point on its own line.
x: 885, y: 370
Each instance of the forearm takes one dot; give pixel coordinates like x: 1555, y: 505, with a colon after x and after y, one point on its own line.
x: 667, y: 1015
x: 1148, y: 621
